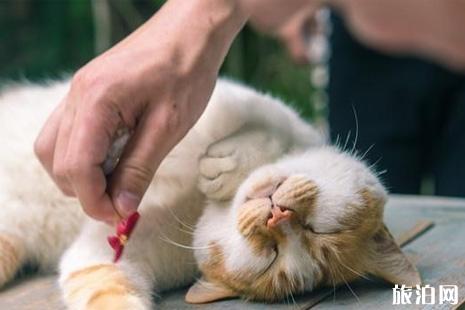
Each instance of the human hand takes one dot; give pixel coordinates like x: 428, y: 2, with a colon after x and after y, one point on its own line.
x: 156, y: 83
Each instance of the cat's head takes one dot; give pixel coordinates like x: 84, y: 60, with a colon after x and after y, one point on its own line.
x: 310, y: 220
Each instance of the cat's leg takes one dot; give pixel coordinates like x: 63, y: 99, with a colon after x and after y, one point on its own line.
x: 228, y: 162
x: 90, y: 280
x: 34, y: 233
x: 12, y: 256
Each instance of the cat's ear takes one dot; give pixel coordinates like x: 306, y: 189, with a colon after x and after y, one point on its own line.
x: 204, y: 291
x: 388, y: 262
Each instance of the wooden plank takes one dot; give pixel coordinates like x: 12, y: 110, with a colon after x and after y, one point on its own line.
x: 32, y: 293
x: 439, y: 253
x: 408, y: 236
x: 412, y: 201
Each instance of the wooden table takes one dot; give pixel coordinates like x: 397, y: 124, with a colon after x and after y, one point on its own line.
x: 438, y: 250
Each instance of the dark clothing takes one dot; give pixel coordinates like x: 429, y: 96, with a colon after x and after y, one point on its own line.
x: 412, y: 111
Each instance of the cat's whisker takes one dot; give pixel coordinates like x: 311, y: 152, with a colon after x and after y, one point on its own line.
x: 367, y: 151
x: 380, y: 173
x: 349, y: 287
x: 339, y: 259
x: 354, y: 271
x: 346, y: 142
x: 351, y: 290
x: 338, y: 141
x: 287, y: 297
x: 183, y: 245
x: 184, y: 231
x: 334, y: 291
x: 293, y: 299
x: 373, y: 166
x: 190, y: 227
x: 358, y: 273
x: 356, y: 130
x: 332, y: 277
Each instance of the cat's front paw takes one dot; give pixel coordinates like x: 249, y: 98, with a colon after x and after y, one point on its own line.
x: 102, y: 286
x: 228, y: 162
x: 217, y: 170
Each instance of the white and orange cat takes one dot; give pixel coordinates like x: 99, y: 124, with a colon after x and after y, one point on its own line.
x: 252, y: 195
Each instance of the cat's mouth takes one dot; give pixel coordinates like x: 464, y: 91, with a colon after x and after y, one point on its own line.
x: 272, y: 262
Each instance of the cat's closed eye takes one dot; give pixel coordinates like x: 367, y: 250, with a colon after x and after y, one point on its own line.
x: 317, y: 231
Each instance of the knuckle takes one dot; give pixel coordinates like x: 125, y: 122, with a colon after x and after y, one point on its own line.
x: 91, y: 83
x: 65, y: 190
x: 81, y: 79
x: 172, y: 120
x: 41, y: 149
x: 139, y: 174
x: 73, y: 169
x: 84, y: 77
x: 59, y: 172
x: 61, y: 180
x: 100, y: 95
x: 65, y: 169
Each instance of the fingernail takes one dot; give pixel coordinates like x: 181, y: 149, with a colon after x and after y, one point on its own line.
x: 127, y: 203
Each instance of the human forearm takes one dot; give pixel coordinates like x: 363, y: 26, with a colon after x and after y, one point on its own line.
x: 269, y: 15
x: 197, y: 33
x: 428, y: 28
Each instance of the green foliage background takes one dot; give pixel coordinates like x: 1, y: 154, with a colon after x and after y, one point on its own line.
x: 44, y: 38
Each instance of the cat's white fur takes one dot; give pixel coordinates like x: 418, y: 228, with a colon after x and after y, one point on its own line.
x: 240, y: 130
x: 339, y: 178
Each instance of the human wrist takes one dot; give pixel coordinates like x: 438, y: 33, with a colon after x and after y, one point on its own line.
x: 206, y: 31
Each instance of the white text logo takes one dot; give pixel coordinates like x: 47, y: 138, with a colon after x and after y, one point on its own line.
x: 425, y: 295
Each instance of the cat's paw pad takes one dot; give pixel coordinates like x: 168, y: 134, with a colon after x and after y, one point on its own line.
x: 217, y: 171
x: 212, y: 167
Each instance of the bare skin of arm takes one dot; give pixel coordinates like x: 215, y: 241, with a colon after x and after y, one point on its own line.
x: 156, y: 82
x: 430, y: 29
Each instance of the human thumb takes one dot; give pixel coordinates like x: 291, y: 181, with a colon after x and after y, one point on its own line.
x: 141, y: 157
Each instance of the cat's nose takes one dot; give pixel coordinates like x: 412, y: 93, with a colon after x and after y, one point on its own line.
x: 277, y: 216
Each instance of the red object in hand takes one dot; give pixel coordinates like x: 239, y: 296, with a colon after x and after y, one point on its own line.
x: 123, y: 232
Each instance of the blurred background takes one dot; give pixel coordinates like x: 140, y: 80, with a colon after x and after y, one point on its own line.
x: 45, y: 38
x: 405, y: 116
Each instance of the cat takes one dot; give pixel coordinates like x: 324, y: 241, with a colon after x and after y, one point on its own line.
x: 252, y: 197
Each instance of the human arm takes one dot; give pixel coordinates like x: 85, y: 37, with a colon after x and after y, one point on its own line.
x: 431, y: 29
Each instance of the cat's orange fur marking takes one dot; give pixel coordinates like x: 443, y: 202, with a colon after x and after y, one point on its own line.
x: 274, y: 284
x: 252, y: 225
x: 337, y: 254
x: 101, y: 286
x: 296, y: 192
x: 10, y: 258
